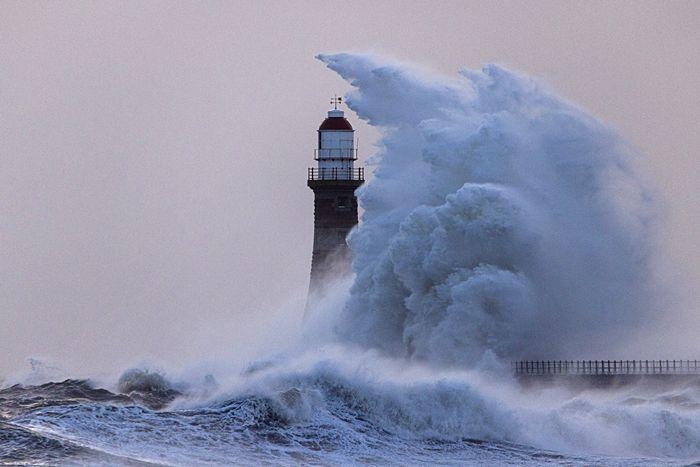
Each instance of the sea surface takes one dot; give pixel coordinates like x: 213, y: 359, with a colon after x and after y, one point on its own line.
x: 318, y: 419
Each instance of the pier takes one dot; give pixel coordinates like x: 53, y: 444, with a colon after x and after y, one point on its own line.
x: 601, y: 373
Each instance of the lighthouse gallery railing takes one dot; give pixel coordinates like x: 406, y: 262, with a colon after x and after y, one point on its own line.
x: 337, y: 174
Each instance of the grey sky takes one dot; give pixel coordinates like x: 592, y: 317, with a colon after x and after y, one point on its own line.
x: 153, y: 200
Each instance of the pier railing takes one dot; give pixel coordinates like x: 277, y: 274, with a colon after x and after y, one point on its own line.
x: 607, y: 367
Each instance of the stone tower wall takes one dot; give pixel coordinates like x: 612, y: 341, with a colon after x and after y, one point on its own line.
x: 335, y: 214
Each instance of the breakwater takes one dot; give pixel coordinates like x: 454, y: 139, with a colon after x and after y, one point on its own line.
x: 603, y: 373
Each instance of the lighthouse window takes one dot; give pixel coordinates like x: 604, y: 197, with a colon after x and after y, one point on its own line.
x: 343, y: 202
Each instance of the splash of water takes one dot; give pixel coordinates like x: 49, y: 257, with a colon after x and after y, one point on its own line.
x: 501, y: 220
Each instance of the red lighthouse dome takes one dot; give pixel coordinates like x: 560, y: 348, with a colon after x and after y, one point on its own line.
x: 335, y: 122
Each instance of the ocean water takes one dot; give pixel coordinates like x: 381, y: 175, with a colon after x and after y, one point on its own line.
x: 334, y: 412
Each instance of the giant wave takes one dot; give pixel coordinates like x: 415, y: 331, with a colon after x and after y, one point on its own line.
x: 501, y: 220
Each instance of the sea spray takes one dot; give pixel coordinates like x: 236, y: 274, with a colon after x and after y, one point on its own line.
x: 501, y: 219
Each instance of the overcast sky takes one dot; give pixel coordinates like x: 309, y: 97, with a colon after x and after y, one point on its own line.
x: 153, y: 155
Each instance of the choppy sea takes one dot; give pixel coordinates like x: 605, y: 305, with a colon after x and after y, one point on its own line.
x: 327, y: 417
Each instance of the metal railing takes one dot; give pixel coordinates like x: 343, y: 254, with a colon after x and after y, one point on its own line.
x: 337, y: 174
x: 606, y: 367
x: 335, y: 153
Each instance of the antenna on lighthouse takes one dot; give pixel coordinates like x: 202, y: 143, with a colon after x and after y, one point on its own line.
x: 335, y: 101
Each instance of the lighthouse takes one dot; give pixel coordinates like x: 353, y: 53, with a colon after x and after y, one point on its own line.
x: 333, y: 181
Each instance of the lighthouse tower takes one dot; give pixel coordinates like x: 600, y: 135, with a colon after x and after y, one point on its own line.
x: 333, y: 181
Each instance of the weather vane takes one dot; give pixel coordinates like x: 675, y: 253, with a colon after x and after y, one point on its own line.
x: 335, y: 101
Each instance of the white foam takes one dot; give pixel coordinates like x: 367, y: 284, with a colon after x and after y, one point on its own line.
x: 500, y: 218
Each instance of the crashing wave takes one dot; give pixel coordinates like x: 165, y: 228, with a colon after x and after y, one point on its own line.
x: 501, y: 220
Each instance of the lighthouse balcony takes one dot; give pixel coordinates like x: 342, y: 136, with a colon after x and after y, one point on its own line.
x: 338, y: 173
